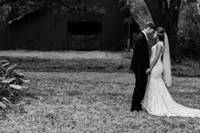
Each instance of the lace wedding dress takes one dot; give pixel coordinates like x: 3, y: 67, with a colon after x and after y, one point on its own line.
x: 157, y: 100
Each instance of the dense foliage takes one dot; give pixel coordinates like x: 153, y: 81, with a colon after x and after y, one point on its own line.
x: 189, y: 31
x: 12, y: 10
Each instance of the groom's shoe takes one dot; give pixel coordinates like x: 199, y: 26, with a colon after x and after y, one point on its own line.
x: 136, y: 109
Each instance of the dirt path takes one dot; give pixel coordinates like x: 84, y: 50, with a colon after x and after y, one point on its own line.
x: 63, y: 55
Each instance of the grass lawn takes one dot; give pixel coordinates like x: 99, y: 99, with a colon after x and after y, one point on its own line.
x: 91, y: 61
x: 186, y: 68
x: 91, y: 93
x: 94, y: 102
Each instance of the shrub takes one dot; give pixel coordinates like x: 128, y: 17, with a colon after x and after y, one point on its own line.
x: 12, y: 84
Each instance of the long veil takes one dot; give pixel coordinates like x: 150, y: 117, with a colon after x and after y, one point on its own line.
x: 167, y: 76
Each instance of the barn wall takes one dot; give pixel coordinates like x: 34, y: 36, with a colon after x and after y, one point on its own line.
x: 47, y: 30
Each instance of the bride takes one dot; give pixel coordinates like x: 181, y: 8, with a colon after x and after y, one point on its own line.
x: 157, y: 100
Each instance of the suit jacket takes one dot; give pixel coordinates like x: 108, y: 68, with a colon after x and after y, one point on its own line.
x: 140, y: 59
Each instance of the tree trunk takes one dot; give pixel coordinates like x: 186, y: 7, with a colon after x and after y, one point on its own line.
x: 165, y: 13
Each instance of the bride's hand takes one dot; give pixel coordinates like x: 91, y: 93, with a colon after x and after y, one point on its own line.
x: 148, y: 71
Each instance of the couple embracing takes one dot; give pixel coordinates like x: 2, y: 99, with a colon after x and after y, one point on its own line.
x: 152, y: 67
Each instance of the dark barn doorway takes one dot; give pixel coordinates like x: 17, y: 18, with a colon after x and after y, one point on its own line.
x: 86, y: 34
x: 85, y: 28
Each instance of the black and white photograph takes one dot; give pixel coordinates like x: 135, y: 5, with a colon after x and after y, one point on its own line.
x: 99, y: 66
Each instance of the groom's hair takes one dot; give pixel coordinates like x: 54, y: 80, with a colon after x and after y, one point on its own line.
x: 161, y: 33
x: 150, y: 25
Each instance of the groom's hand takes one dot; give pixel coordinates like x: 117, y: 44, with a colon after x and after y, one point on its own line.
x: 148, y: 71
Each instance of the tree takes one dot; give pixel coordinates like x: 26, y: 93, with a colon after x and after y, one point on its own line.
x: 165, y: 13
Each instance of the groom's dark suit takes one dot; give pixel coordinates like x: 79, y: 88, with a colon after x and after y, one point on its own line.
x: 139, y: 64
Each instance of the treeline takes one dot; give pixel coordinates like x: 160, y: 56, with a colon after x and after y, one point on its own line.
x: 189, y: 31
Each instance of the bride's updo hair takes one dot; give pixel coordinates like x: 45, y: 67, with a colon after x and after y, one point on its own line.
x: 161, y: 33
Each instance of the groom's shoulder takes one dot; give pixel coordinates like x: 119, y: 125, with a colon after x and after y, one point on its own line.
x: 140, y: 36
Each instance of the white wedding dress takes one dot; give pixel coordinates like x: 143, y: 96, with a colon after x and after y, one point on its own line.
x: 157, y: 100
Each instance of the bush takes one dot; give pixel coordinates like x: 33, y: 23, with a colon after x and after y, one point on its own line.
x: 12, y: 83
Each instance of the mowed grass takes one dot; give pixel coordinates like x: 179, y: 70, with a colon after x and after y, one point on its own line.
x: 185, y: 68
x: 93, y: 102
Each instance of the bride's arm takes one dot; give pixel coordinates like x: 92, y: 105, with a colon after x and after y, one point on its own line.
x: 159, y: 50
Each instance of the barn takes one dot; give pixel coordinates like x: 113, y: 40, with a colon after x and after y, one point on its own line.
x: 64, y: 25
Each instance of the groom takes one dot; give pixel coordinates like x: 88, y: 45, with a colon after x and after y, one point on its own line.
x: 139, y: 64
